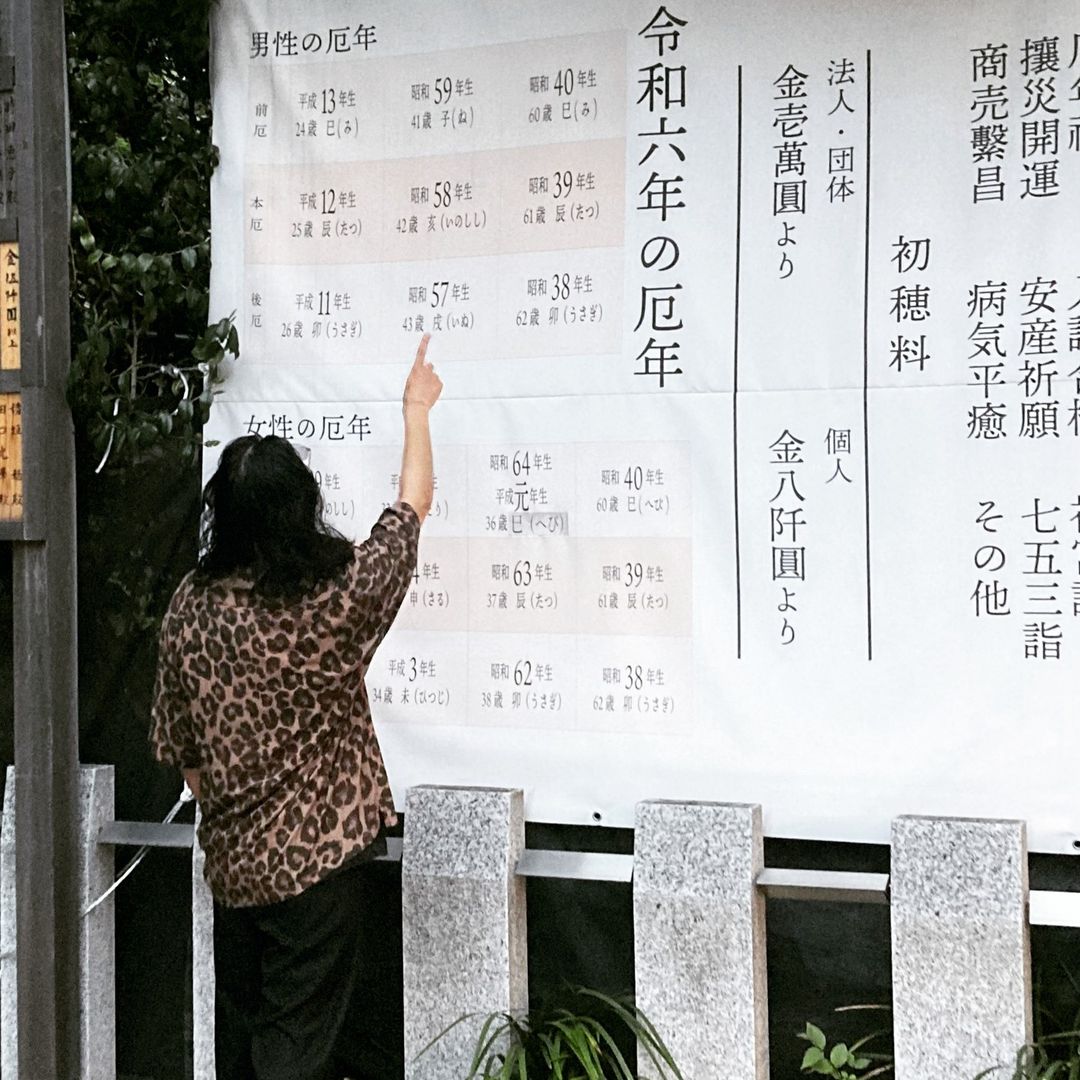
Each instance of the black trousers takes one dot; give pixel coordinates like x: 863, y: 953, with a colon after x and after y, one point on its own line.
x: 290, y: 983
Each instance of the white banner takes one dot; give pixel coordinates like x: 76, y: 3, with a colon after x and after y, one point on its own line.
x: 760, y: 329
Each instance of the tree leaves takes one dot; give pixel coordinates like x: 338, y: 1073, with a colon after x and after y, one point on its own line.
x: 144, y: 361
x: 842, y: 1062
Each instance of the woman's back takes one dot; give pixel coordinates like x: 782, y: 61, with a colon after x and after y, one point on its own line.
x: 266, y: 697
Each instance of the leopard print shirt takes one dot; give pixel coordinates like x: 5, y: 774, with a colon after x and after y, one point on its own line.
x: 267, y: 700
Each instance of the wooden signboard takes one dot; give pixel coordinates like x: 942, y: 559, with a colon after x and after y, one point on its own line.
x: 9, y: 306
x: 11, y: 479
x: 7, y: 141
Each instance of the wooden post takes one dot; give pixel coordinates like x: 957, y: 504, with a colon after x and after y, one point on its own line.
x: 11, y: 494
x: 46, y: 719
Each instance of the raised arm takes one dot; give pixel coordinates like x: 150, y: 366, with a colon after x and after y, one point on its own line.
x: 422, y: 389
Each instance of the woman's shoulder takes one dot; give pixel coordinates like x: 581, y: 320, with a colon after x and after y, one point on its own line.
x: 184, y: 591
x: 403, y: 513
x: 397, y: 520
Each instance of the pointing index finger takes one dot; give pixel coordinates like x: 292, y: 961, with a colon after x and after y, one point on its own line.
x: 421, y: 351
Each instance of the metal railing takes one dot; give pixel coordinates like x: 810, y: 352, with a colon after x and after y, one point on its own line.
x: 1045, y: 907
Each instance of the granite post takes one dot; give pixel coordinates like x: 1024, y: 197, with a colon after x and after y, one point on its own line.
x: 699, y: 937
x: 463, y: 921
x: 9, y: 996
x: 96, y: 946
x: 961, y: 963
x: 97, y: 937
x: 202, y: 964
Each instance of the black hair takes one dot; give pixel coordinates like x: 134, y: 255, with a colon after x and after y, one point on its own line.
x: 262, y: 516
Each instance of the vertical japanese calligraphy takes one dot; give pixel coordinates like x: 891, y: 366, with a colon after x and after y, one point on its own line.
x: 7, y: 155
x: 660, y: 104
x: 11, y: 478
x: 9, y: 306
x: 1036, y: 97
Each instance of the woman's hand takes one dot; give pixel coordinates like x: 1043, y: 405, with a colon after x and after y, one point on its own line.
x: 192, y: 778
x: 423, y: 386
x: 422, y: 390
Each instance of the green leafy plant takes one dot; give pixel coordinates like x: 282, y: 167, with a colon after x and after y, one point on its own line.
x: 1053, y: 1057
x: 144, y: 359
x: 842, y: 1061
x: 1054, y: 1052
x: 575, y: 1041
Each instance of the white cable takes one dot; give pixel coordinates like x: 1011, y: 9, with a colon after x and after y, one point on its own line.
x: 172, y: 369
x: 112, y: 436
x: 185, y: 797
